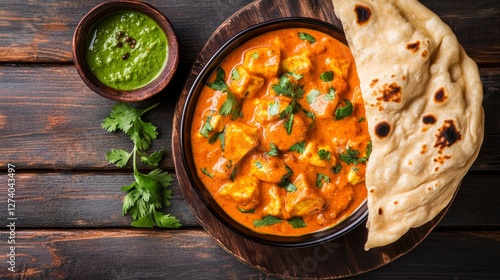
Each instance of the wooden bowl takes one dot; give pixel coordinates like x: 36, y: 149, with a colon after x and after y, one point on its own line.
x: 80, y: 44
x: 187, y: 163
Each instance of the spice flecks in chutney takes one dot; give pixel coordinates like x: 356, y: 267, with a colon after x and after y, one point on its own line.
x: 126, y: 50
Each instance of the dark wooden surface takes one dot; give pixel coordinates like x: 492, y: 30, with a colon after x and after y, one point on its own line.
x: 68, y: 199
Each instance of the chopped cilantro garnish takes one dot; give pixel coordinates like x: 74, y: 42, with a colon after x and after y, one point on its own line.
x: 362, y: 119
x: 313, y: 94
x: 289, y: 124
x: 290, y: 187
x: 230, y: 106
x: 206, y: 172
x: 273, y: 108
x: 307, y: 37
x: 219, y: 82
x: 343, y: 112
x: 322, y: 178
x: 326, y: 76
x: 207, y: 127
x: 336, y: 169
x: 235, y: 74
x: 330, y: 95
x: 249, y: 211
x: 274, y: 150
x: 298, y: 147
x: 350, y: 156
x: 286, y: 178
x: 324, y: 154
x: 297, y: 222
x: 267, y: 221
x: 258, y: 164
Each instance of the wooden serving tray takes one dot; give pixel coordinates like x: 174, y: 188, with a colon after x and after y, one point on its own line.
x: 341, y: 257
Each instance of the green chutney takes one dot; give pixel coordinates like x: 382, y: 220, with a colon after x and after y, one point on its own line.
x: 126, y: 50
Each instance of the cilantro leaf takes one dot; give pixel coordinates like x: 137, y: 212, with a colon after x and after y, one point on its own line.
x: 298, y: 147
x: 289, y: 124
x: 165, y: 221
x: 350, y: 156
x: 307, y: 37
x: 148, y: 192
x: 330, y: 95
x: 290, y: 187
x: 313, y: 94
x: 285, y: 180
x: 326, y: 76
x: 274, y: 150
x: 336, y: 169
x: 235, y: 74
x: 249, y: 211
x: 230, y: 107
x: 219, y: 83
x: 207, y: 127
x: 343, y: 112
x: 368, y: 149
x: 297, y: 222
x: 206, y: 172
x: 118, y: 157
x: 267, y: 221
x: 320, y: 178
x: 153, y: 159
x: 324, y: 154
x: 273, y: 108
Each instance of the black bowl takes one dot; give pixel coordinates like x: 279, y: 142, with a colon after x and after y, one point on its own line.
x: 357, y: 217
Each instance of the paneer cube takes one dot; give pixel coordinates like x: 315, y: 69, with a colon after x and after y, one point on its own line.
x: 305, y: 200
x: 244, y: 84
x: 269, y: 109
x: 263, y: 61
x: 244, y: 191
x: 239, y: 139
x: 317, y: 156
x: 299, y: 64
x: 354, y: 177
x: 275, y: 205
x: 268, y: 169
x: 340, y: 67
x: 339, y: 197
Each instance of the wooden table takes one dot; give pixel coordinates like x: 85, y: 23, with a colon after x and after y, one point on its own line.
x: 68, y: 198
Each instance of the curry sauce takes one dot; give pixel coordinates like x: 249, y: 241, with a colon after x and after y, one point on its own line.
x: 279, y: 136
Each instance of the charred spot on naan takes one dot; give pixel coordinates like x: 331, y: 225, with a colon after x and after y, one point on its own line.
x: 382, y: 129
x: 447, y: 135
x: 363, y: 14
x: 440, y: 95
x: 429, y: 119
x: 390, y: 92
x: 413, y: 47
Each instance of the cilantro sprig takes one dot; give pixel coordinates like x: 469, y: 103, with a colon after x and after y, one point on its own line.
x: 149, y: 192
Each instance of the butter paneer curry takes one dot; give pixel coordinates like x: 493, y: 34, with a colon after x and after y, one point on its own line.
x: 279, y: 136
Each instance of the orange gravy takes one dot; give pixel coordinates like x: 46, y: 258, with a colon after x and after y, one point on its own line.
x: 279, y: 136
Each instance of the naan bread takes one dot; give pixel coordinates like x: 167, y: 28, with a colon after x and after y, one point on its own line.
x: 423, y: 98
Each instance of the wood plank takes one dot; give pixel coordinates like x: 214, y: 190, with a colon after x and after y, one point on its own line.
x: 94, y: 200
x: 48, y: 124
x: 41, y: 31
x: 192, y: 254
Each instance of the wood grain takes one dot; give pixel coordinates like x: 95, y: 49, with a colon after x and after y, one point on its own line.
x: 192, y: 254
x: 94, y: 200
x: 57, y: 125
x: 43, y: 29
x: 352, y: 259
